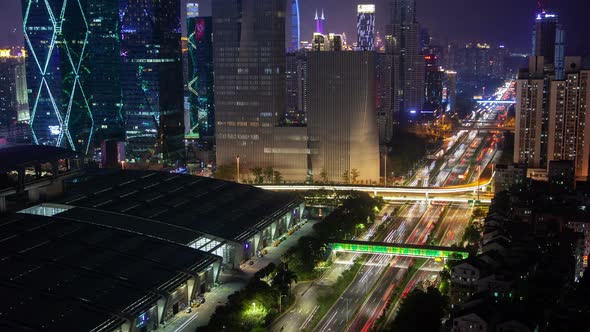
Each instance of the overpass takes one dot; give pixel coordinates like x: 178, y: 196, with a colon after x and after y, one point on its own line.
x: 496, y: 101
x: 397, y: 249
x: 460, y: 193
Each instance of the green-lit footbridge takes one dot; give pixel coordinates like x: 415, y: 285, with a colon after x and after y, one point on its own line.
x: 397, y: 249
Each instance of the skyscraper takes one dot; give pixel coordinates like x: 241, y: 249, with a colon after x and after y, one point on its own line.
x: 104, y: 60
x: 13, y: 90
x: 530, y: 139
x: 548, y: 42
x: 341, y: 115
x: 200, y: 120
x: 57, y: 34
x: 319, y: 22
x: 569, y: 117
x: 365, y: 27
x: 433, y: 84
x: 295, y: 26
x: 249, y: 62
x: 151, y: 78
x: 408, y: 64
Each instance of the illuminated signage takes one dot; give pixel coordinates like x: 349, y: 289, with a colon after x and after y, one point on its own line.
x: 393, y: 250
x: 365, y: 9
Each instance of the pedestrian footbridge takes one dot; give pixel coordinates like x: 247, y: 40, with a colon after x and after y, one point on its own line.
x: 397, y: 249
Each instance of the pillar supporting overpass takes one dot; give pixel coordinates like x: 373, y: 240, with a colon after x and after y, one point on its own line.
x: 397, y: 249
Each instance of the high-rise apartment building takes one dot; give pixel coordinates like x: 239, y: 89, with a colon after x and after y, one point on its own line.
x: 341, y: 116
x: 249, y: 62
x: 319, y: 22
x: 151, y: 79
x: 531, y: 128
x: 549, y: 42
x: 408, y: 63
x: 365, y: 27
x: 200, y: 118
x: 569, y: 117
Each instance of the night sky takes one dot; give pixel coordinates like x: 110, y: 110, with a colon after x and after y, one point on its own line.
x: 496, y: 21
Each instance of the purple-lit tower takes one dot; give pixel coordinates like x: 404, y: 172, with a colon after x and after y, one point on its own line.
x: 319, y: 22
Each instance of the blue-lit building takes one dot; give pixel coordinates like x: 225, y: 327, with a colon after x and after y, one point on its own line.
x: 200, y: 121
x: 365, y: 27
x: 295, y: 26
x: 73, y: 68
x: 151, y: 79
x: 57, y: 34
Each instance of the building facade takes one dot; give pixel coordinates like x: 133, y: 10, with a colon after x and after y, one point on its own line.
x: 569, y: 121
x: 530, y: 140
x: 549, y: 42
x: 151, y: 79
x: 408, y: 63
x: 250, y: 87
x: 341, y: 116
x: 200, y: 120
x: 365, y: 27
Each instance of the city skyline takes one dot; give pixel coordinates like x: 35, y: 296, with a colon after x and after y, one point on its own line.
x: 479, y: 24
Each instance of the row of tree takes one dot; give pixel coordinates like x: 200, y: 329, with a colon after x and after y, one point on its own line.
x: 254, y: 307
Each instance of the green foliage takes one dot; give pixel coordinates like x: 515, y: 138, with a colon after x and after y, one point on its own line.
x: 346, y: 177
x: 407, y: 149
x: 324, y: 175
x: 359, y: 208
x: 479, y: 213
x: 277, y: 177
x: 268, y: 173
x: 421, y: 311
x: 472, y: 233
x: 354, y: 175
x: 254, y: 307
x: 257, y: 173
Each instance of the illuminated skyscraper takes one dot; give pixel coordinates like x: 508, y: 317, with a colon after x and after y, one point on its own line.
x: 295, y: 26
x: 200, y: 120
x: 57, y: 34
x: 549, y: 42
x: 365, y: 27
x: 151, y: 78
x: 250, y: 87
x: 319, y: 22
x: 408, y: 64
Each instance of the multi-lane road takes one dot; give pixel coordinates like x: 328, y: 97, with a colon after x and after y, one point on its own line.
x: 418, y: 222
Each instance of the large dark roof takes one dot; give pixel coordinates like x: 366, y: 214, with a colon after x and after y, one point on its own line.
x: 13, y: 157
x: 59, y: 274
x: 189, y: 204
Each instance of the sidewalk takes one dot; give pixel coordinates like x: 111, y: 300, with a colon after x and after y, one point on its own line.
x: 232, y: 281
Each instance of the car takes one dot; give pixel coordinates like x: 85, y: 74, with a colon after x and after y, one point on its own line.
x: 188, y: 310
x: 251, y: 263
x: 201, y: 299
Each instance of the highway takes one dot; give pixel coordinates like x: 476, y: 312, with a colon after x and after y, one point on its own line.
x: 474, y: 152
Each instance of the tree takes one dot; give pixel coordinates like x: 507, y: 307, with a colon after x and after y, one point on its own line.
x: 324, y: 175
x: 268, y: 173
x: 257, y: 172
x: 225, y: 172
x: 309, y: 179
x: 278, y: 178
x: 346, y: 177
x: 421, y: 311
x: 478, y: 213
x: 283, y: 279
x: 354, y: 175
